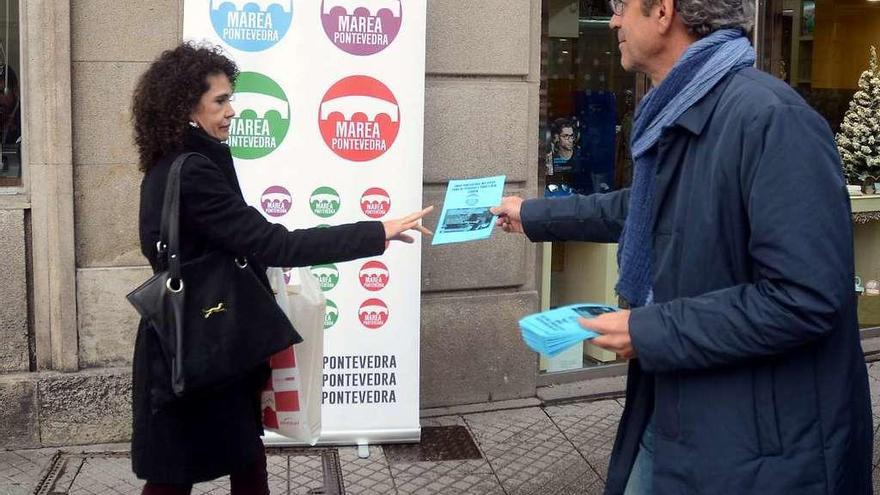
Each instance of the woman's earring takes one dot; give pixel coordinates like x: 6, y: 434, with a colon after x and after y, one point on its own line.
x: 193, y: 124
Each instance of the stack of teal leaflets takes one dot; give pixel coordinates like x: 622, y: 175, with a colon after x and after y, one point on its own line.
x: 553, y: 331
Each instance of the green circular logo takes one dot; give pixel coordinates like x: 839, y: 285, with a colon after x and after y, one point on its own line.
x: 324, y: 202
x: 263, y: 116
x: 327, y: 275
x: 331, y: 314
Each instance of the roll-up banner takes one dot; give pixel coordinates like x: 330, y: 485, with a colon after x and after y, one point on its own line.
x: 329, y: 130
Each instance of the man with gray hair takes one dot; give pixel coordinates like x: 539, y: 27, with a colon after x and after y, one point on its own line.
x: 736, y: 271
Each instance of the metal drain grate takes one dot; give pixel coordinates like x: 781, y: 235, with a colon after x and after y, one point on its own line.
x: 299, y: 471
x: 439, y: 443
x: 48, y: 481
x: 330, y: 467
x: 64, y: 469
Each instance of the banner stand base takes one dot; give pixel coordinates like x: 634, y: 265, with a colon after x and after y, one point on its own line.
x: 361, y: 439
x: 364, y: 450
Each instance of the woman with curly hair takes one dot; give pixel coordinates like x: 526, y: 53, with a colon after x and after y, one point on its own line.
x: 183, y: 104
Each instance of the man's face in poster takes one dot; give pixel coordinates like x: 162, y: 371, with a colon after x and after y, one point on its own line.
x: 566, y: 138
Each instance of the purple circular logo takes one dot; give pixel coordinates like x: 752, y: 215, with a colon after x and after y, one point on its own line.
x: 276, y: 201
x: 361, y: 27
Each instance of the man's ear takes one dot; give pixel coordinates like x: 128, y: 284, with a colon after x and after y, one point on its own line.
x: 665, y: 12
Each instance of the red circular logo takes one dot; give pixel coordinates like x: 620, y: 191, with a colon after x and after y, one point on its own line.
x: 375, y: 202
x: 373, y: 313
x: 373, y: 276
x: 359, y: 118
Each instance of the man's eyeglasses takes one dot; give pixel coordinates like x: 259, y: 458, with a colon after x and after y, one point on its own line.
x: 617, y: 6
x: 566, y: 136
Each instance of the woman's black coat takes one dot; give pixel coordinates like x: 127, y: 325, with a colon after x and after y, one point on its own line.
x: 211, y: 434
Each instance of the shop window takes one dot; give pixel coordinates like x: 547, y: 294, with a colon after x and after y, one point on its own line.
x: 587, y: 107
x: 822, y: 48
x: 10, y: 96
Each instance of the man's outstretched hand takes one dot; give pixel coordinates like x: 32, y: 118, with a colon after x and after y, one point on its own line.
x: 508, y: 214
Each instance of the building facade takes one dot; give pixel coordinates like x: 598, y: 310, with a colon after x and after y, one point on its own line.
x: 512, y: 87
x: 68, y: 229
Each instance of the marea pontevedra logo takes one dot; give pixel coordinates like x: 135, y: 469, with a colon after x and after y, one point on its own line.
x: 327, y: 276
x: 276, y: 201
x: 263, y: 116
x: 359, y: 118
x: 375, y: 202
x: 331, y: 314
x: 324, y: 202
x: 251, y: 25
x: 361, y: 27
x: 373, y: 313
x: 373, y: 276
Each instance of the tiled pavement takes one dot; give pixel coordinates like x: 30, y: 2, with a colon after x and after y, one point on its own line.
x: 558, y: 449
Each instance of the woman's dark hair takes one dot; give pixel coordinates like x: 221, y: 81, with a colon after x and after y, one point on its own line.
x: 168, y: 92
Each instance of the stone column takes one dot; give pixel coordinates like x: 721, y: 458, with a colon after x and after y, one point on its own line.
x: 481, y: 119
x: 48, y: 157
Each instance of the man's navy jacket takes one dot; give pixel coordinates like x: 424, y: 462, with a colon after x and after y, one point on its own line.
x: 750, y: 358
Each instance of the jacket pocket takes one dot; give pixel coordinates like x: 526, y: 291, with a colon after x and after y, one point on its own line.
x: 766, y: 415
x: 667, y: 414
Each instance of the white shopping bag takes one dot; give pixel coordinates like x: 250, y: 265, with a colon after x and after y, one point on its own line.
x: 291, y: 400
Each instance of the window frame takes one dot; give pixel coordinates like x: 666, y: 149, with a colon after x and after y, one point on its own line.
x: 18, y: 197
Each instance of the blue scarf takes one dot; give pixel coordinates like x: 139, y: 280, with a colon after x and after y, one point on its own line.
x: 699, y: 69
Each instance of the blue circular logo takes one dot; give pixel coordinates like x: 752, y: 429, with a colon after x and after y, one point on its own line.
x: 251, y: 25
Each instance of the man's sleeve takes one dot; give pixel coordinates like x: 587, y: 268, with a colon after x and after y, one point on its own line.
x: 800, y: 248
x: 593, y: 218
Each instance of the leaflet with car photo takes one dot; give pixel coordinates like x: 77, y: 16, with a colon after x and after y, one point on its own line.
x: 466, y: 216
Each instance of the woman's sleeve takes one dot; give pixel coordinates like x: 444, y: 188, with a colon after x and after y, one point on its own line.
x: 220, y: 214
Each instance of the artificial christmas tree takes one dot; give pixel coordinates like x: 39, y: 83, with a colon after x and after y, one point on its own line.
x: 859, y: 136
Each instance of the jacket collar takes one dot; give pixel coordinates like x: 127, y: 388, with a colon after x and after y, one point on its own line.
x: 199, y: 141
x: 695, y: 118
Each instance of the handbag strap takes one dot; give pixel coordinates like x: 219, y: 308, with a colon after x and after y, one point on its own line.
x: 169, y: 229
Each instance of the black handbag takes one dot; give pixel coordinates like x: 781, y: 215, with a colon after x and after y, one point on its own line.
x: 214, y: 318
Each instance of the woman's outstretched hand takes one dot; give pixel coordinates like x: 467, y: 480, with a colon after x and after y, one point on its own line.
x: 395, y: 230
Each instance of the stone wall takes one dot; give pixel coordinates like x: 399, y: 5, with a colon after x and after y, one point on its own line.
x: 14, y: 351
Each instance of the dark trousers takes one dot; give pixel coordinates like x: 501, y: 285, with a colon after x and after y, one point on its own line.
x: 253, y: 480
